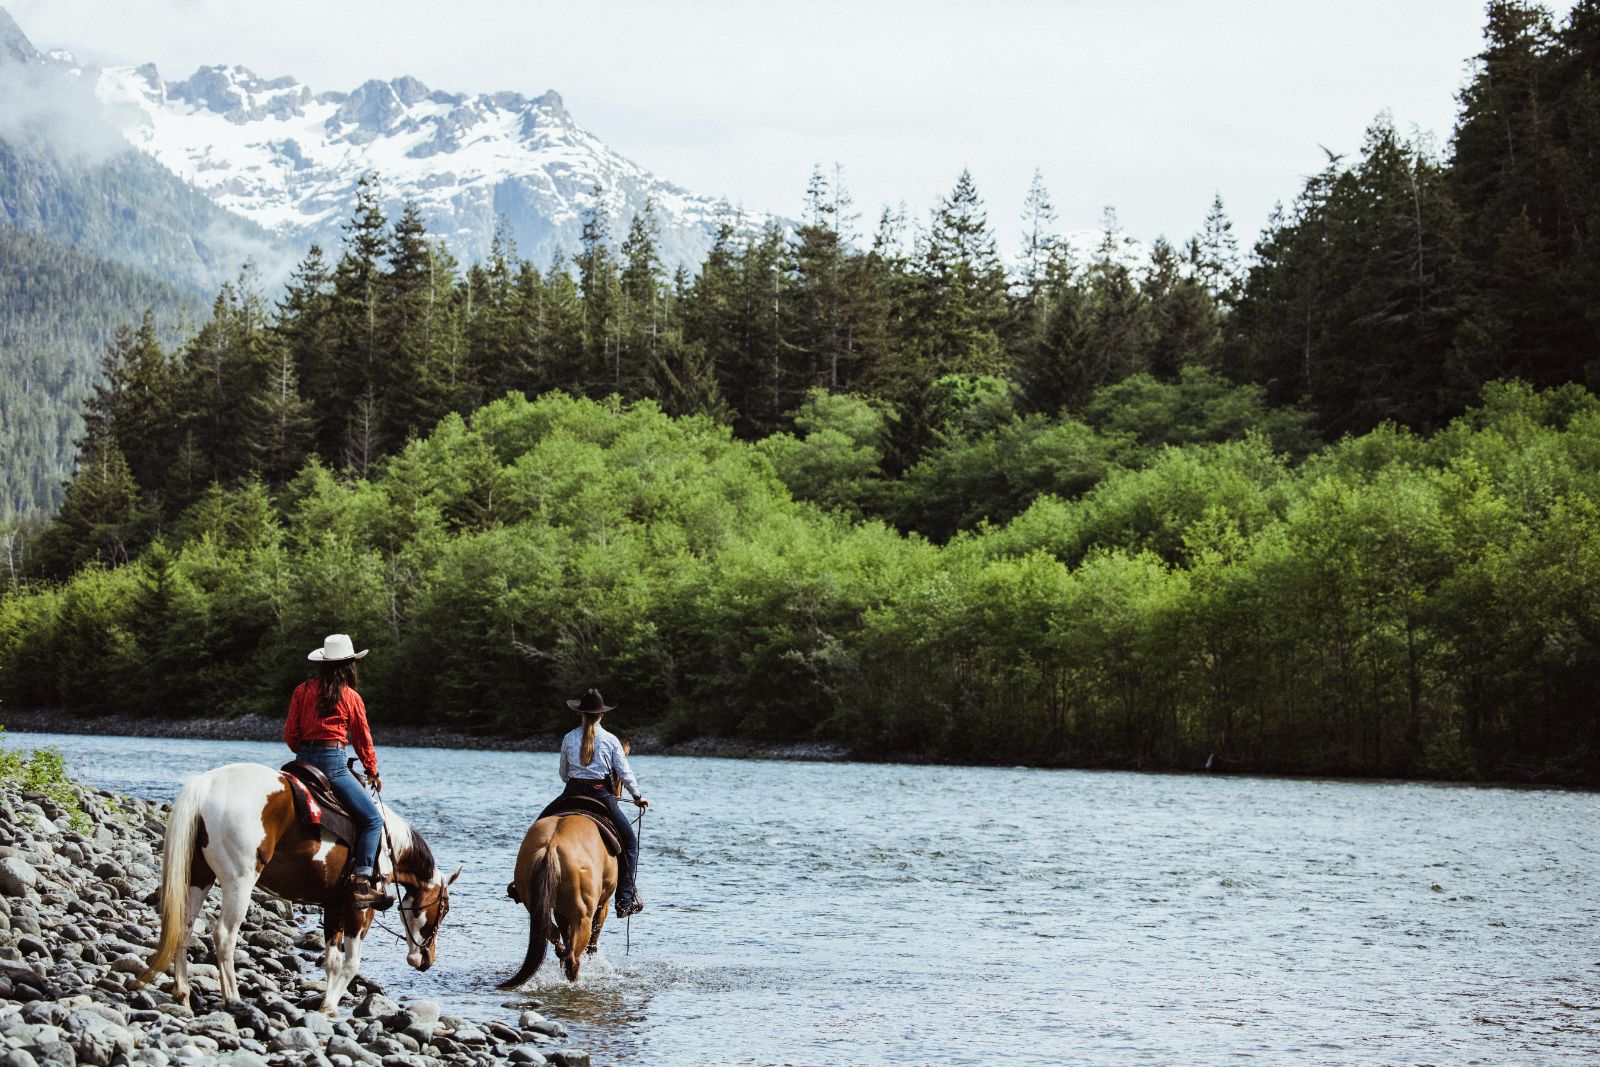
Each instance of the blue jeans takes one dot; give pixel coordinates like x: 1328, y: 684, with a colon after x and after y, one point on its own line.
x: 369, y: 824
x: 628, y: 860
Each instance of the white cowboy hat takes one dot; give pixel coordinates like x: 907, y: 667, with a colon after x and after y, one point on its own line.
x: 335, y: 647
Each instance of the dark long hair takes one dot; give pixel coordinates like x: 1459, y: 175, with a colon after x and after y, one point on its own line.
x: 335, y: 678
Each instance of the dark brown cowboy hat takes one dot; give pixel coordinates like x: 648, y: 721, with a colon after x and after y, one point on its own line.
x: 591, y: 703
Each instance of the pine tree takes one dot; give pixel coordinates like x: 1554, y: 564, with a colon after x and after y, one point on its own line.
x: 961, y: 306
x: 305, y: 332
x: 682, y: 377
x: 1117, y: 320
x: 136, y: 401
x: 750, y: 373
x: 414, y: 392
x: 1214, y: 254
x: 818, y: 330
x: 600, y: 288
x: 99, y: 518
x: 641, y: 309
x: 357, y: 290
x: 1185, y: 327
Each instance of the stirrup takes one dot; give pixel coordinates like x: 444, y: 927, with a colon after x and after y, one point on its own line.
x: 365, y: 894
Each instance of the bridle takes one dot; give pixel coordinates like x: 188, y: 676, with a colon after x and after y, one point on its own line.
x: 440, y: 897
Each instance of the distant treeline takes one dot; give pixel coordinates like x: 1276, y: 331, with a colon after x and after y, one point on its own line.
x: 1393, y: 605
x: 1087, y: 512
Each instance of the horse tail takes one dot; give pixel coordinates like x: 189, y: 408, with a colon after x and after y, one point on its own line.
x: 539, y: 898
x: 177, y: 859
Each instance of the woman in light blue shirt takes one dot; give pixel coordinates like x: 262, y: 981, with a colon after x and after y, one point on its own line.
x: 590, y: 755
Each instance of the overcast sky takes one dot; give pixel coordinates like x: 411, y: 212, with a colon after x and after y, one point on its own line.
x: 1149, y: 105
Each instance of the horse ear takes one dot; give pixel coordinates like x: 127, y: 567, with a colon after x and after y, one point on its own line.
x: 454, y: 874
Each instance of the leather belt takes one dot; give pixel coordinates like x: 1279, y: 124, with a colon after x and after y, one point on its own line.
x: 322, y: 744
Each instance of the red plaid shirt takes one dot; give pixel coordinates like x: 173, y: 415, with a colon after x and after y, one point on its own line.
x: 347, y: 725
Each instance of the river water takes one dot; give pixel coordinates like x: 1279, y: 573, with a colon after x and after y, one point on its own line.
x: 869, y: 914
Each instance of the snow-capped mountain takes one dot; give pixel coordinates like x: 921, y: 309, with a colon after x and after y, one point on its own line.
x: 288, y: 158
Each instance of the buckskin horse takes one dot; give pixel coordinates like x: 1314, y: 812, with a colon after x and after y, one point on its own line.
x: 236, y: 827
x: 564, y: 877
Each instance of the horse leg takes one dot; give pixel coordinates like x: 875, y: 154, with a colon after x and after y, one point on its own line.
x: 235, y: 903
x: 343, y: 963
x: 180, y: 962
x: 578, y: 941
x: 599, y: 924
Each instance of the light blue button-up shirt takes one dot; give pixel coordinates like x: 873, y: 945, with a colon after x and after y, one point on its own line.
x: 608, y: 757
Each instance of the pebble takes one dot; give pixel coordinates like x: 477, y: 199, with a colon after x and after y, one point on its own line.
x: 78, y: 923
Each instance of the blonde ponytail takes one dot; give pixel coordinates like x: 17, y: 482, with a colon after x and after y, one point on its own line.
x: 586, y: 750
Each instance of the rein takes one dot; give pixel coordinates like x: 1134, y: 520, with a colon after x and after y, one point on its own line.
x: 627, y: 924
x: 400, y: 902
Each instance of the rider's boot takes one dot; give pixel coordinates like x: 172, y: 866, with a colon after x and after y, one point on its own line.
x: 366, y: 895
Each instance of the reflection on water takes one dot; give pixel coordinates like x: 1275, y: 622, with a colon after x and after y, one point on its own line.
x: 834, y: 913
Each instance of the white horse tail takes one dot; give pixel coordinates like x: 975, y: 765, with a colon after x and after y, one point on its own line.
x: 177, y: 859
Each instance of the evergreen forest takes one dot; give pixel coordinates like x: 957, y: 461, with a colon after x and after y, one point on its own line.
x: 1330, y: 505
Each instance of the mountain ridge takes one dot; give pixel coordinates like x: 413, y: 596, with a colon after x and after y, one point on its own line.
x: 288, y: 158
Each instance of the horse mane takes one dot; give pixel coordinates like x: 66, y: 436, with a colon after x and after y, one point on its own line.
x: 423, y: 855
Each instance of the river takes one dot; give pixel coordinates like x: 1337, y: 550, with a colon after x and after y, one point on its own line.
x: 867, y: 914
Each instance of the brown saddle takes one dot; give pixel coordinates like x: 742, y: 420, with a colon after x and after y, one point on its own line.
x: 596, y: 811
x: 315, y: 804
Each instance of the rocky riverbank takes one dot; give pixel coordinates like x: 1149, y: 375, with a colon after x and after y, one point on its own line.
x: 78, y: 922
x: 261, y: 728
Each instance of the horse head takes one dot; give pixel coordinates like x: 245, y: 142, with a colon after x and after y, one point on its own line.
x: 424, y: 895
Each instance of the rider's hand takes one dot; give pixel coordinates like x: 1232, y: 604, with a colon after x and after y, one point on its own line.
x: 377, y: 784
x: 641, y: 801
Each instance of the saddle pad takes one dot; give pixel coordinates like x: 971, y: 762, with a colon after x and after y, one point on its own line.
x: 597, y: 812
x: 316, y: 809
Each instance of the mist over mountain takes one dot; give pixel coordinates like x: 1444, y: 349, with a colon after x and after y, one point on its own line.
x: 66, y: 174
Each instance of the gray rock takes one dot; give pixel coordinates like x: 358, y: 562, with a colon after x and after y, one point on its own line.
x: 318, y: 1024
x: 17, y: 879
x: 295, y: 1038
x: 246, y: 1014
x: 419, y: 1031
x: 241, y: 1058
x: 398, y: 1021
x: 568, y: 1057
x: 424, y: 1010
x: 52, y: 1053
x: 470, y: 1035
x: 525, y: 1054
x: 213, y: 1022
x: 501, y: 1032
x: 548, y: 1027
x: 344, y: 1046
x: 375, y: 1006
x: 29, y: 945
x: 18, y: 1058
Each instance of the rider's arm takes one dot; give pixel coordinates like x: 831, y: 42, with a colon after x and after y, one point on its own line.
x: 619, y: 763
x: 566, y: 766
x: 291, y: 724
x: 360, y: 735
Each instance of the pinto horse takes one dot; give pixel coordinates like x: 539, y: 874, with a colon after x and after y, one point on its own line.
x: 236, y: 827
x: 565, y: 878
